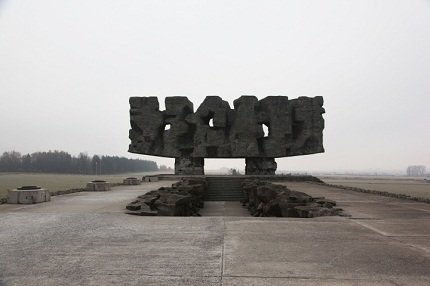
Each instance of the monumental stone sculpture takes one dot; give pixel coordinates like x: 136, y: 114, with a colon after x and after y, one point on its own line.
x: 214, y: 130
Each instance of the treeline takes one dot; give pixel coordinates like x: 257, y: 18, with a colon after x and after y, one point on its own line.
x: 63, y: 162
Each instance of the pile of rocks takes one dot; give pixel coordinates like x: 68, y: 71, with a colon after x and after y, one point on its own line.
x: 184, y: 198
x: 267, y: 200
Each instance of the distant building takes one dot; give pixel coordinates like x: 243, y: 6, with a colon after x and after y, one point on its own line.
x: 416, y: 171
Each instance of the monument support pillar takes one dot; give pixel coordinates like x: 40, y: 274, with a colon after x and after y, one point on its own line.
x: 260, y: 166
x: 189, y: 166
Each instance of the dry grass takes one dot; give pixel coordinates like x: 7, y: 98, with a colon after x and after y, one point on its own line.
x: 56, y: 182
x: 416, y: 187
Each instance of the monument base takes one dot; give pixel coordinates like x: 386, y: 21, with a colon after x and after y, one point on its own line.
x: 189, y: 166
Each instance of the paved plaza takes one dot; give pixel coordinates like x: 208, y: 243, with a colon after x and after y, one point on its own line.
x: 87, y: 239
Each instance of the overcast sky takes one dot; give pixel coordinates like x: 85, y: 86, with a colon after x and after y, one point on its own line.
x: 67, y: 69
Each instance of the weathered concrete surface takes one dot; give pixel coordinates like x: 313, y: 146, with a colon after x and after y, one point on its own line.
x: 86, y: 239
x: 224, y: 208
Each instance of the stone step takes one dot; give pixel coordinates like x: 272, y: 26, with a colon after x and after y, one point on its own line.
x: 224, y: 196
x: 224, y: 189
x: 223, y: 199
x: 218, y: 185
x: 225, y: 185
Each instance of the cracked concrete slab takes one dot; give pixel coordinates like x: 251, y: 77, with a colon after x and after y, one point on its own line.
x: 87, y: 239
x: 322, y: 249
x: 252, y: 281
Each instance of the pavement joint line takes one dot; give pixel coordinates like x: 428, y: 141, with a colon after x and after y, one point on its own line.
x: 124, y: 274
x: 386, y: 234
x: 282, y: 220
x: 366, y: 218
x: 424, y: 210
x: 155, y: 275
x: 414, y: 246
x: 372, y: 228
x: 222, y: 252
x: 408, y: 235
x: 310, y: 278
x: 410, y: 208
x: 394, y: 283
x: 394, y: 238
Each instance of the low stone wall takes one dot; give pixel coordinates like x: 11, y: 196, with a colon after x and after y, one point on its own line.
x: 265, y: 199
x: 184, y: 198
x: 68, y: 191
x: 379, y: 193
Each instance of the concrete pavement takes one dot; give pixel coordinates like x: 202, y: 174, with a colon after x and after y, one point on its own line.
x: 86, y: 239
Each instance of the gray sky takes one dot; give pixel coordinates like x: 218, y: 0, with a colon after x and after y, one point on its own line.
x: 67, y: 69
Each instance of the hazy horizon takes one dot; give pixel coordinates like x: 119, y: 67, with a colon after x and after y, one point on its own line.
x: 68, y: 69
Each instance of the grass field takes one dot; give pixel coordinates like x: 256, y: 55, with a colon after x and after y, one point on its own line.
x: 416, y: 187
x: 56, y: 182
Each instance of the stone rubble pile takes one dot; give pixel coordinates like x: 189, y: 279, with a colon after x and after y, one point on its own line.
x: 184, y: 198
x: 265, y: 199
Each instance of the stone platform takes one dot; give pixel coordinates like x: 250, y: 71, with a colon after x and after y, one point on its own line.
x: 86, y: 239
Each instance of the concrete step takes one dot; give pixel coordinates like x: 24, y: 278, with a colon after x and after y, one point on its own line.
x: 224, y: 189
x: 222, y: 199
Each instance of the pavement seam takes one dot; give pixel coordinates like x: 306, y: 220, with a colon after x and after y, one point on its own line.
x: 395, y: 238
x: 298, y: 277
x: 222, y: 252
x: 425, y: 250
x: 371, y: 228
x: 386, y: 234
x: 394, y: 283
x: 408, y: 207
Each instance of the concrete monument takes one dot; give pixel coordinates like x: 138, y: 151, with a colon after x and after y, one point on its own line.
x: 214, y: 130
